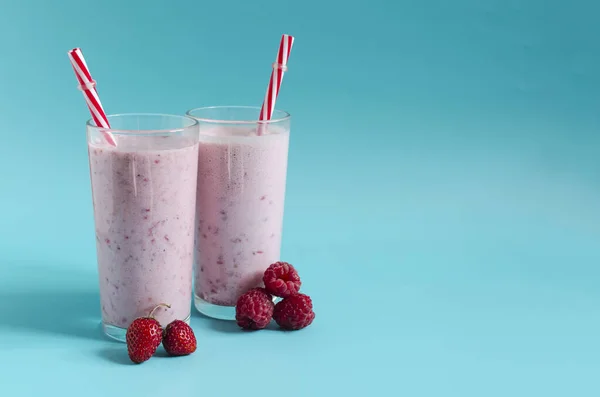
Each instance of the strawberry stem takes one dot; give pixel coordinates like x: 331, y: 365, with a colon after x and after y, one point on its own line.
x: 151, y: 315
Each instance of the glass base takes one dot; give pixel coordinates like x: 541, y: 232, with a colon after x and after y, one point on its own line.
x: 118, y: 333
x: 214, y: 311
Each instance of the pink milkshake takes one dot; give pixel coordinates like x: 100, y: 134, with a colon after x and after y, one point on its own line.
x: 144, y: 195
x: 240, y: 206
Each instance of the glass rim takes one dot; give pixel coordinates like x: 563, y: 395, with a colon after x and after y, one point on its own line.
x: 286, y: 115
x: 119, y: 131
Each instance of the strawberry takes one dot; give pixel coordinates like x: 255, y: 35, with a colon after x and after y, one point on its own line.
x: 179, y: 339
x: 143, y: 336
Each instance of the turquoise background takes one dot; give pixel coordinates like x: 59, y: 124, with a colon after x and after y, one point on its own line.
x: 443, y: 201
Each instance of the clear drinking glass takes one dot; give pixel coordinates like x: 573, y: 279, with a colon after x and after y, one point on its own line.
x: 240, y: 203
x: 144, y: 196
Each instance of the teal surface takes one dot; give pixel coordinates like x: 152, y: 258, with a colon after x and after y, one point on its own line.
x: 443, y: 202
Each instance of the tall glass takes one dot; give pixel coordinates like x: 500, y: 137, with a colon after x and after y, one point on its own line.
x: 144, y: 196
x: 240, y: 193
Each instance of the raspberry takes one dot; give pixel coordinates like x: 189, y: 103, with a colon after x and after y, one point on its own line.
x: 179, y: 339
x: 281, y: 279
x: 294, y: 312
x: 254, y: 309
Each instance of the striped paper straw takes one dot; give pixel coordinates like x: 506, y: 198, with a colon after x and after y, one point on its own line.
x: 279, y: 68
x: 87, y: 85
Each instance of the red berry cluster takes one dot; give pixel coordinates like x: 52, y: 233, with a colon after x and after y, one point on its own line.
x: 145, y: 334
x: 255, y: 309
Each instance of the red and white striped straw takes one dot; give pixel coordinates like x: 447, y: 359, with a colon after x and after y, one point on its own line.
x: 87, y: 85
x: 279, y: 68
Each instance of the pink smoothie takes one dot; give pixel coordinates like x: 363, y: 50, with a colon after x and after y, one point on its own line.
x: 144, y: 207
x: 241, y: 191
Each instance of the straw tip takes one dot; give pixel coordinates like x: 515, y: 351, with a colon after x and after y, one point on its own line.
x: 74, y: 50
